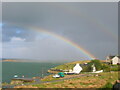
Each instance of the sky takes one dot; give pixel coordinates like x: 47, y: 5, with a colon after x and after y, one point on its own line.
x: 40, y: 31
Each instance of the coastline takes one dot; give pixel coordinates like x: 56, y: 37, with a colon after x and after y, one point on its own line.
x: 83, y: 79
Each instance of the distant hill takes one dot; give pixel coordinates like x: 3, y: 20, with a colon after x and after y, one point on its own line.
x: 12, y: 60
x: 9, y: 60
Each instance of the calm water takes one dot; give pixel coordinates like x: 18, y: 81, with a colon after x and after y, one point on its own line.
x: 28, y: 69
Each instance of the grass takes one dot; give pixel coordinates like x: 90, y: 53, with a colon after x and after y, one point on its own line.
x: 70, y: 65
x: 86, y: 82
x: 49, y: 78
x: 99, y: 80
x: 102, y: 80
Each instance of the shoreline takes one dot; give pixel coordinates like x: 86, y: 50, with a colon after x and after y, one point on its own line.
x: 62, y: 67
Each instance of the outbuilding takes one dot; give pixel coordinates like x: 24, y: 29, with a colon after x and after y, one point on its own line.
x: 113, y: 59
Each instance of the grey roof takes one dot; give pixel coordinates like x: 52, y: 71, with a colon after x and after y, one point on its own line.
x: 110, y: 57
x: 118, y: 56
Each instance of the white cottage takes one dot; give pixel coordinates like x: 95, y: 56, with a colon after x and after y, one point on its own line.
x: 77, y: 69
x: 113, y: 59
x: 116, y: 60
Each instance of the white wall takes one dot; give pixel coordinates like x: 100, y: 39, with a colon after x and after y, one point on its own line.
x: 115, y: 60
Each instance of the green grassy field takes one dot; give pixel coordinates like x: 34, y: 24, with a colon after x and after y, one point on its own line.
x: 84, y: 82
x: 93, y: 81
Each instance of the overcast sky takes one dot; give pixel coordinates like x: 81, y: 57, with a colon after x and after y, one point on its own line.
x: 93, y: 26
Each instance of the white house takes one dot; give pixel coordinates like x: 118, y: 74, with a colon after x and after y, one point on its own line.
x: 77, y: 69
x: 116, y: 60
x: 113, y: 59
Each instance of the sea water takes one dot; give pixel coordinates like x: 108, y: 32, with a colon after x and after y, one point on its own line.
x: 26, y: 69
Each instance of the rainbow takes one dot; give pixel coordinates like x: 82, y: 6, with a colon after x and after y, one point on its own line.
x: 73, y: 44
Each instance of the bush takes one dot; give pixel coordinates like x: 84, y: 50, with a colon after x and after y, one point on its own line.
x: 106, y: 67
x: 86, y: 69
x: 97, y: 64
x: 108, y: 85
x: 114, y: 68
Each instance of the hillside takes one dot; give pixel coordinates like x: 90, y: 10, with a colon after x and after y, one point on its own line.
x: 68, y: 66
x: 82, y: 80
x: 94, y: 81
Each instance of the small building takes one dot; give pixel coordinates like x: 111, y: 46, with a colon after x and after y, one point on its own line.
x: 113, y: 59
x: 77, y: 69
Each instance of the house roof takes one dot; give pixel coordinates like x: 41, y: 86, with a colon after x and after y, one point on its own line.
x: 118, y: 56
x: 110, y: 57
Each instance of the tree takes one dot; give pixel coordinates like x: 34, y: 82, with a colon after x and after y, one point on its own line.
x: 97, y: 64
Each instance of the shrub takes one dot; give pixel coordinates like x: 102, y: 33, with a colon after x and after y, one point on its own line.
x: 97, y: 64
x: 108, y: 85
x: 86, y: 69
x: 106, y: 67
x: 114, y: 68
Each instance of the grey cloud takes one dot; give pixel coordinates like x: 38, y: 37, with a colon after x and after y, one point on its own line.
x: 9, y: 31
x: 91, y: 25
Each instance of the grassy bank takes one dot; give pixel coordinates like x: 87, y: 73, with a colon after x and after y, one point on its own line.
x: 94, y: 81
x: 89, y: 80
